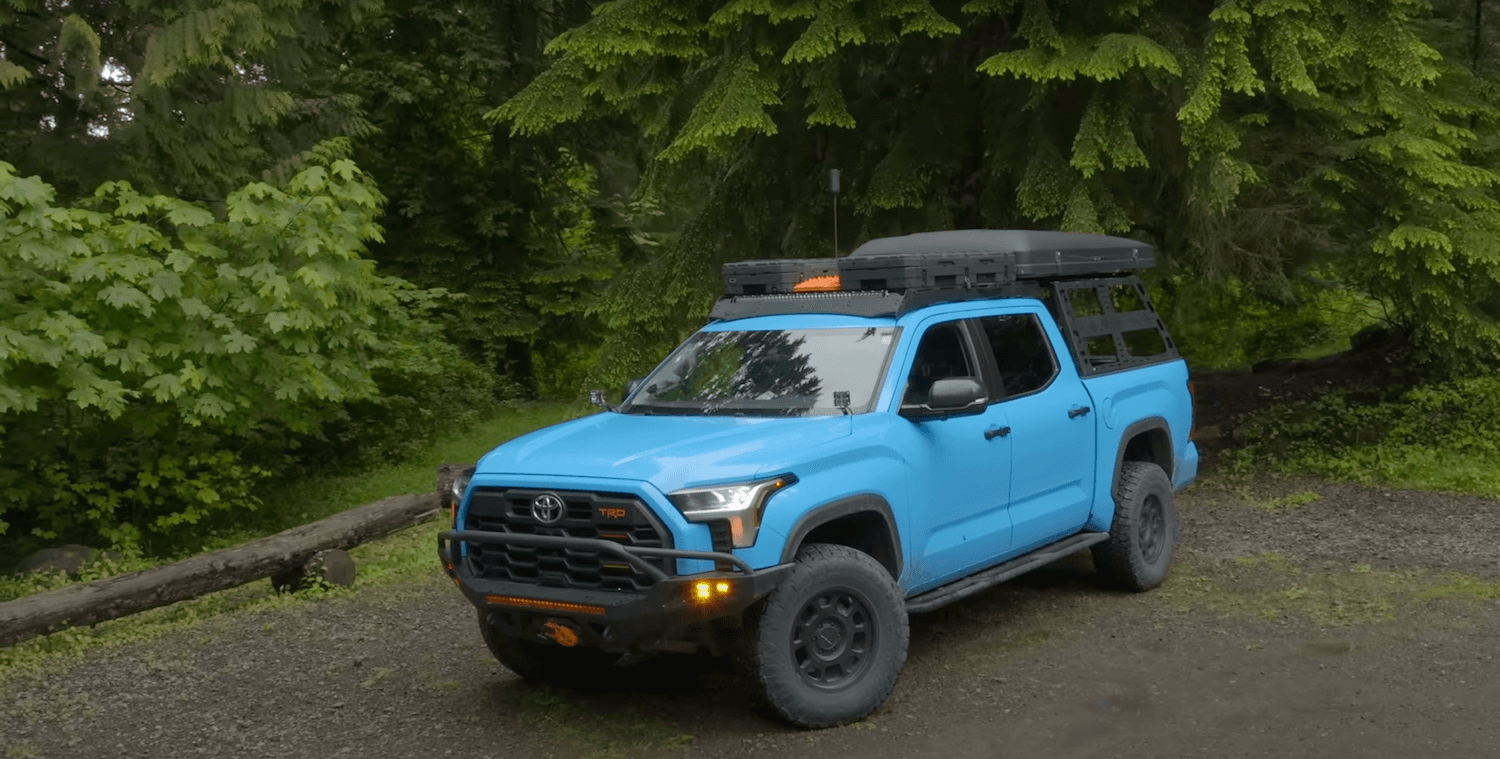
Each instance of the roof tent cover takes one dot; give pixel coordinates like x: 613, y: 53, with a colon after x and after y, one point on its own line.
x: 996, y: 241
x: 980, y: 257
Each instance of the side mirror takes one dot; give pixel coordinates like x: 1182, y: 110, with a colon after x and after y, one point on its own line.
x: 955, y: 396
x: 596, y: 397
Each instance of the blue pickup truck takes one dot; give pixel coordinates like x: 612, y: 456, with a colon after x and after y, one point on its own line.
x: 846, y: 442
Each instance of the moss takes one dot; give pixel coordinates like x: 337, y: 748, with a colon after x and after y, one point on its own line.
x: 599, y: 733
x: 1271, y: 586
x: 1289, y: 502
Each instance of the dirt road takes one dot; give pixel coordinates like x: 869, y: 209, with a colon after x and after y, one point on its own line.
x: 1302, y: 619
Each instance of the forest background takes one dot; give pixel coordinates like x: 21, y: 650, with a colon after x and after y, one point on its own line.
x: 244, y: 240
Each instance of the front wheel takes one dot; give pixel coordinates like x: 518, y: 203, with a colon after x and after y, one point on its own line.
x: 831, y: 640
x: 1144, y: 534
x: 545, y: 662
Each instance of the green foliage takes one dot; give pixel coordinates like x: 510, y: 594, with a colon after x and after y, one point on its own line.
x: 404, y: 558
x: 148, y: 350
x: 184, y: 99
x: 1253, y: 142
x: 1441, y: 437
x: 1232, y: 326
x: 425, y: 388
x: 527, y: 228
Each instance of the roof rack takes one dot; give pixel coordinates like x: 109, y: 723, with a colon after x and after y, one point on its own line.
x: 863, y: 302
x: 900, y: 274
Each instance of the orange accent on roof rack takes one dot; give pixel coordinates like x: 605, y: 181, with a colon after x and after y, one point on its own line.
x: 826, y: 284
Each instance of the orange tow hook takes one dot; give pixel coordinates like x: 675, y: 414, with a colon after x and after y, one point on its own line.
x: 563, y: 635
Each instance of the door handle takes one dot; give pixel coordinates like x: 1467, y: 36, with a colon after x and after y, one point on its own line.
x: 994, y: 432
x: 1077, y: 411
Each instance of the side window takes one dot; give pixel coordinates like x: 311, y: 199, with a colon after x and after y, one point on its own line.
x: 941, y: 354
x: 1022, y: 352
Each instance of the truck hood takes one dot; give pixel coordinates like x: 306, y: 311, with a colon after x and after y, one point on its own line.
x: 670, y: 452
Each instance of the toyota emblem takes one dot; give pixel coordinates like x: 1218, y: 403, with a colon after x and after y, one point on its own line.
x: 547, y: 507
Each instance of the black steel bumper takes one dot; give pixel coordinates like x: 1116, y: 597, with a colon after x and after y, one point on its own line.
x: 665, y: 616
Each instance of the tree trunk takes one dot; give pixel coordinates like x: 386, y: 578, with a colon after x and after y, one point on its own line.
x: 92, y: 602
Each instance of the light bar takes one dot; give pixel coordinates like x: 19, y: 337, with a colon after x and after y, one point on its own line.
x: 537, y: 603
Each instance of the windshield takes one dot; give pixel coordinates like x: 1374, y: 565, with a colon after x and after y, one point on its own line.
x: 794, y: 372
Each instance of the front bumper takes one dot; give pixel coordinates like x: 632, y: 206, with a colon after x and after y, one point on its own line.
x: 663, y: 617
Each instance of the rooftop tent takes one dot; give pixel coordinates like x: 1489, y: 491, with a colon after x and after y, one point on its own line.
x: 895, y: 275
x: 979, y: 257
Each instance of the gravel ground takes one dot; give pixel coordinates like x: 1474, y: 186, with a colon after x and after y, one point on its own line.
x: 1249, y: 650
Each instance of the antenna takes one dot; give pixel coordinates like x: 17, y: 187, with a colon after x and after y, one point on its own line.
x: 833, y: 187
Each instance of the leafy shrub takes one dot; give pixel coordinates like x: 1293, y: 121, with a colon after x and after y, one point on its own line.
x: 424, y: 390
x: 157, y: 362
x: 1232, y: 325
x: 1443, y: 436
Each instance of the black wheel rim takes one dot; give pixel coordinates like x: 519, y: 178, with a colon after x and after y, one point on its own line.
x: 833, y: 639
x: 1151, y: 531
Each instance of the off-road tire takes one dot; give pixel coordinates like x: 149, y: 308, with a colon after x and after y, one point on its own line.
x: 548, y: 663
x: 1138, y: 554
x: 830, y: 641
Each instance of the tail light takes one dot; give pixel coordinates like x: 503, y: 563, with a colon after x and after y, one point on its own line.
x: 1193, y: 395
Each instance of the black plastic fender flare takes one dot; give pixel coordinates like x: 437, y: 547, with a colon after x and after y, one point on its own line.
x: 854, y: 504
x: 1145, y: 425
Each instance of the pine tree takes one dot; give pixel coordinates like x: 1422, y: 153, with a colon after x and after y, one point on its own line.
x: 1250, y: 139
x: 192, y: 98
x: 526, y: 227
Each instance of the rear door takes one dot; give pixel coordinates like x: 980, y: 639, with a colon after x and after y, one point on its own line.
x: 1052, y: 427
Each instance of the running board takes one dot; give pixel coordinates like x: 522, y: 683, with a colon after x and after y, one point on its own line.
x: 968, y: 586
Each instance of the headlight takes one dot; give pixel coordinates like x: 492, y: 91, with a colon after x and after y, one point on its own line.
x: 461, y: 485
x: 740, y: 504
x: 456, y: 492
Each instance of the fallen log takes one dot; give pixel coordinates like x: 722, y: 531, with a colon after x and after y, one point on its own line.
x: 291, y: 550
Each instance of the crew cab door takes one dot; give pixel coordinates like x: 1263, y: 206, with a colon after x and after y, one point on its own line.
x: 958, y: 466
x: 1053, y: 427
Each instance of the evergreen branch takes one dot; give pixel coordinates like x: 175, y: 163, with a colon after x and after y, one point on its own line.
x: 11, y: 46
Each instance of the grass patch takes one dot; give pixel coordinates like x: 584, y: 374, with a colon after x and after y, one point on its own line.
x: 1288, y: 502
x: 1271, y: 586
x: 297, y: 503
x: 1005, y: 645
x: 600, y: 733
x: 1443, y: 437
x: 406, y: 557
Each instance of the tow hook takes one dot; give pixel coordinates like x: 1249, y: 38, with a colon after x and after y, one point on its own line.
x: 561, y: 633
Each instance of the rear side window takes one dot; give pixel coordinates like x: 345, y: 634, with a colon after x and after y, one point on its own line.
x: 1022, y: 353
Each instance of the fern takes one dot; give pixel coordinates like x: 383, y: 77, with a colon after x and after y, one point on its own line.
x: 11, y: 74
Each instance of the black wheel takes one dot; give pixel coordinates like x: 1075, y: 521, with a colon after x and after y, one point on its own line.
x: 546, y: 662
x: 830, y: 642
x: 1138, y: 554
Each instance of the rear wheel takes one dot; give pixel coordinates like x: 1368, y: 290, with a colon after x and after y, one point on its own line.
x: 830, y: 642
x: 1144, y: 534
x: 546, y: 662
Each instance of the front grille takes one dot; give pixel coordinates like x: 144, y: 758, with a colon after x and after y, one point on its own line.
x: 620, y: 517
